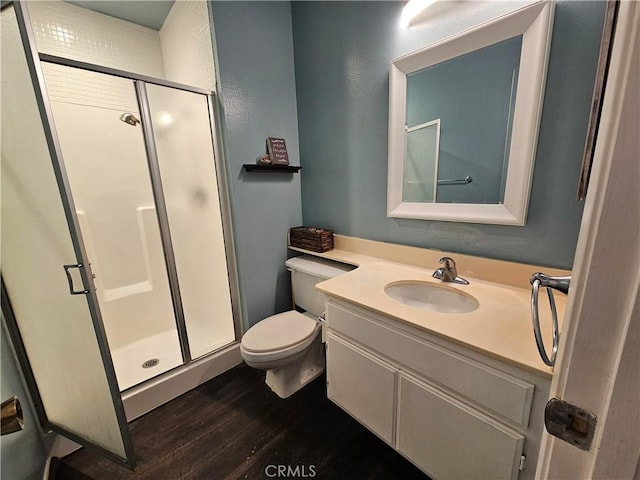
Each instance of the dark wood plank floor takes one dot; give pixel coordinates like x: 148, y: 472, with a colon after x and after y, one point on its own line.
x: 234, y: 427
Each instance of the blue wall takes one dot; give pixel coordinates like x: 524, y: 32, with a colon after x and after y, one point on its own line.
x: 342, y: 55
x: 23, y: 455
x: 254, y: 52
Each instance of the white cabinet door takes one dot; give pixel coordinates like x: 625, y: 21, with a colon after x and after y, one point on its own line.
x: 362, y: 385
x: 449, y: 439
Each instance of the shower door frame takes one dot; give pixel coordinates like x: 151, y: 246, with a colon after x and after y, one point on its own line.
x: 140, y: 82
x: 62, y: 181
x: 55, y: 151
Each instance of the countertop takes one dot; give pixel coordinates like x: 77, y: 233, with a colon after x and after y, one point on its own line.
x: 500, y: 327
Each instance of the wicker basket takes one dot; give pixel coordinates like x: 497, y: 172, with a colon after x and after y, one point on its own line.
x: 311, y: 238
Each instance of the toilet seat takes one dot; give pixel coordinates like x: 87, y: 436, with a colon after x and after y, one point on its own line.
x: 279, y: 336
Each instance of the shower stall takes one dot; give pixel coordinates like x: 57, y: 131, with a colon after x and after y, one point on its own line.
x: 119, y: 280
x: 140, y: 165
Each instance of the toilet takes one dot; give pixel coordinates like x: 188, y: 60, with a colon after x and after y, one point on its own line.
x: 289, y: 345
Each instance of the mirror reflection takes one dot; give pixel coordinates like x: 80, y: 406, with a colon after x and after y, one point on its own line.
x: 458, y: 126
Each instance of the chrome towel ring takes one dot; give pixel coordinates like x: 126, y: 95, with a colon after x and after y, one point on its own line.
x: 561, y: 284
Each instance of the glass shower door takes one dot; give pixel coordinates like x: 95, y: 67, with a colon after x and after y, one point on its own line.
x: 98, y: 123
x: 184, y: 149
x: 69, y: 370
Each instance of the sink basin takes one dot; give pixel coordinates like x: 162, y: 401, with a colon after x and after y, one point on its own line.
x: 434, y: 298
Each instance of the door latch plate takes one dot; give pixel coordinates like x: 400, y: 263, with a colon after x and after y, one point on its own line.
x: 572, y: 424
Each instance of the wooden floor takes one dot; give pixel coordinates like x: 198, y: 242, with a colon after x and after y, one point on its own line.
x: 234, y: 427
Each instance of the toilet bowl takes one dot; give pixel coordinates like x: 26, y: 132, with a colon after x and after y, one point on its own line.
x: 289, y: 345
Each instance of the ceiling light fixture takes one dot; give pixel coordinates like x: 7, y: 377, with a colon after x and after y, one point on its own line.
x: 413, y: 8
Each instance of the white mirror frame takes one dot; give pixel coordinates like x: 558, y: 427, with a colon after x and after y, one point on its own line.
x: 534, y: 22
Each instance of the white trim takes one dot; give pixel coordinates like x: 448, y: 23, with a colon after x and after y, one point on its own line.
x: 47, y: 467
x: 534, y: 23
x: 597, y: 366
x: 424, y: 125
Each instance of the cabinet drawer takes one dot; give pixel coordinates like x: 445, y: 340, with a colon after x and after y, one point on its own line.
x: 495, y: 390
x: 449, y: 439
x: 363, y: 386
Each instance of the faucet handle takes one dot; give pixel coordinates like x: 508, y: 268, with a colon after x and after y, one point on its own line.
x: 449, y: 272
x: 448, y: 262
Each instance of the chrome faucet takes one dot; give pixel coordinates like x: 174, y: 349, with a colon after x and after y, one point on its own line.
x: 449, y: 273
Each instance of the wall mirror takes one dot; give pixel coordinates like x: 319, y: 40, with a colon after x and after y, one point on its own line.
x: 463, y: 121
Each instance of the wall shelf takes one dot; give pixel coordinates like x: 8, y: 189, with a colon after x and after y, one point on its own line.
x: 253, y: 167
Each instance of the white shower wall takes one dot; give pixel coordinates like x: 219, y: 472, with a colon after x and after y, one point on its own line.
x: 81, y: 87
x: 181, y: 51
x: 185, y: 37
x: 107, y: 168
x: 69, y: 31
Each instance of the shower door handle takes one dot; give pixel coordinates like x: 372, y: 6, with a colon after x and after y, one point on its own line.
x: 70, y: 280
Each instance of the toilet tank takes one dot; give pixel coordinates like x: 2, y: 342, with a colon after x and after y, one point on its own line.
x: 306, y: 271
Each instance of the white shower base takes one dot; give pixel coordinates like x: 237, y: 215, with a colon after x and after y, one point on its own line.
x: 128, y: 360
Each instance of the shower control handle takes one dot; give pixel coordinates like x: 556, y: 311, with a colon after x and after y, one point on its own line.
x: 70, y: 280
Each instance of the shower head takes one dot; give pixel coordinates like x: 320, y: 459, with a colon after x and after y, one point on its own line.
x: 129, y: 118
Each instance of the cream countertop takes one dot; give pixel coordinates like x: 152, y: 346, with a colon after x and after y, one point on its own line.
x: 500, y: 327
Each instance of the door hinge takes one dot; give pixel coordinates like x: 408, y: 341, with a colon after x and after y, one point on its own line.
x: 572, y: 424
x: 523, y: 463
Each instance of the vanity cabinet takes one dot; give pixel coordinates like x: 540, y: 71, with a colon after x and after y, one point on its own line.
x: 365, y: 390
x: 450, y: 439
x: 451, y: 411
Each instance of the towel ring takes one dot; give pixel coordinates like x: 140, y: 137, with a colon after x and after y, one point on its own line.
x: 535, y: 286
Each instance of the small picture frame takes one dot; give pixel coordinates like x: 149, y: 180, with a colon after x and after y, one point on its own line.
x: 277, y: 149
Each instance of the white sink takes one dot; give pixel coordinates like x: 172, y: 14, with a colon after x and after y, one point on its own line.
x: 431, y: 297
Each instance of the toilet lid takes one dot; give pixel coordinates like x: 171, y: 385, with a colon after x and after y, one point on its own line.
x: 278, y: 331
